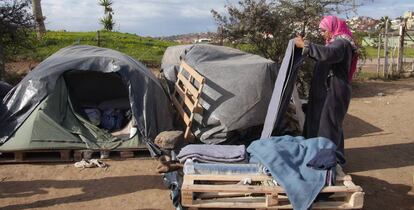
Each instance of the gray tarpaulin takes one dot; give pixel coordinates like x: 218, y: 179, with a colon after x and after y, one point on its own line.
x: 237, y: 89
x: 149, y: 104
x: 282, y: 91
x: 4, y: 89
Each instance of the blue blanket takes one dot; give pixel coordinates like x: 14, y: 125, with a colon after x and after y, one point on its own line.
x: 286, y: 158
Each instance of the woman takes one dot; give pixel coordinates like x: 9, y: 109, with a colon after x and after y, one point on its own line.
x: 330, y: 91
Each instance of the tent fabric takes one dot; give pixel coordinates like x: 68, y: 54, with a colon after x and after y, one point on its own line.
x: 4, y: 89
x: 52, y: 125
x: 171, y: 60
x: 148, y: 102
x: 237, y: 88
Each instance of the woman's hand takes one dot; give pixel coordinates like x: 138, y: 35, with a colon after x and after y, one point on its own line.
x: 299, y: 42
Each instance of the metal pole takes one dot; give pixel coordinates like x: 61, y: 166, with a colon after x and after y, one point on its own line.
x: 385, y: 67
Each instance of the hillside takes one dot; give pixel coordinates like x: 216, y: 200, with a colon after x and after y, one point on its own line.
x: 145, y: 49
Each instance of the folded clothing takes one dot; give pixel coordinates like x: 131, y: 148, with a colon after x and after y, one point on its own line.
x: 325, y: 159
x: 213, y: 153
x: 191, y: 167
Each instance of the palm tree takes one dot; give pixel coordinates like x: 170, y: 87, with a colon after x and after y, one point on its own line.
x: 39, y: 18
x: 382, y: 22
x: 107, y: 21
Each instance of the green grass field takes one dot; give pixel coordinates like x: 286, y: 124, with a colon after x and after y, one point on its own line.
x: 372, y: 52
x: 146, y: 50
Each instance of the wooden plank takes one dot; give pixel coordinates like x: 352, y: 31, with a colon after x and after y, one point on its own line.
x: 344, y: 178
x: 36, y: 156
x: 334, y: 189
x: 272, y: 200
x: 208, y: 195
x: 231, y: 188
x: 356, y: 200
x: 340, y: 171
x: 187, y: 101
x: 181, y: 111
x: 126, y: 154
x: 77, y: 155
x: 259, y: 189
x: 240, y: 203
x: 113, y: 154
x: 193, y: 72
x: 187, y: 133
x: 19, y: 156
x: 65, y: 155
x: 188, y: 85
x: 349, y: 183
x: 187, y: 197
x: 253, y: 177
x: 255, y: 203
x: 184, y: 92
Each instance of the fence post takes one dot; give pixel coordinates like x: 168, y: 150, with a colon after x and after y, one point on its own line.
x: 401, y: 48
x: 385, y: 69
x: 378, y: 55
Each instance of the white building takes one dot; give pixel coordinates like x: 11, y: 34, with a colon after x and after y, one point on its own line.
x: 202, y: 40
x: 410, y: 20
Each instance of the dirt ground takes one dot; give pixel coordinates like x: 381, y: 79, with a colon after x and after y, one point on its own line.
x: 379, y: 151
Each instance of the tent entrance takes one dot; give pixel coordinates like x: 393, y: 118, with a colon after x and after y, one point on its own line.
x: 102, y: 99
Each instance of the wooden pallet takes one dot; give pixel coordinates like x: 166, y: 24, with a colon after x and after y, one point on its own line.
x: 113, y: 154
x: 186, y: 96
x: 222, y: 191
x: 36, y: 156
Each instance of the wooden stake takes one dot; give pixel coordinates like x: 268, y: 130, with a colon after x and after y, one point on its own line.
x: 401, y: 48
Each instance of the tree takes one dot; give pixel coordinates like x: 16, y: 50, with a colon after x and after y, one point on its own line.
x: 16, y: 26
x: 382, y: 23
x: 39, y: 18
x: 107, y: 21
x: 268, y: 24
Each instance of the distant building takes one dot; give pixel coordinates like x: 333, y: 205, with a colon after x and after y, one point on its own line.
x: 408, y: 14
x: 362, y: 23
x: 410, y: 19
x: 395, y: 24
x: 202, y: 41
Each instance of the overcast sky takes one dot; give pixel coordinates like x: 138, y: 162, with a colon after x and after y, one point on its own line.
x: 169, y: 17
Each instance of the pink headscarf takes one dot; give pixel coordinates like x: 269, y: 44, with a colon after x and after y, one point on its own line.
x: 338, y: 28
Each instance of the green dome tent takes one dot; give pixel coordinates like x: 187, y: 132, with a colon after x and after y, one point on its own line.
x: 44, y: 111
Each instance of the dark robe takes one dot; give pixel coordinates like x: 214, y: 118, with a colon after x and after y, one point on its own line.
x: 330, y: 91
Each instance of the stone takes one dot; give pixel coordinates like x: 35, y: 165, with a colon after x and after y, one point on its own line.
x: 169, y: 139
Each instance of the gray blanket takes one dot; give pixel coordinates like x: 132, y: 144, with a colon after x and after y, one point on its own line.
x: 213, y: 153
x: 286, y: 158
